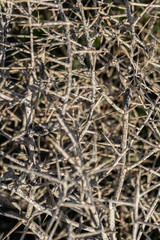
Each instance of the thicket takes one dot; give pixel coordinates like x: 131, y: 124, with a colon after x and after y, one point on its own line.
x: 80, y: 119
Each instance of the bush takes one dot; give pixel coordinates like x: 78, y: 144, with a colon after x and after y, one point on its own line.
x: 79, y: 102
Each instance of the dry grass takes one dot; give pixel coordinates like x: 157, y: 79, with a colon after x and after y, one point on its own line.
x: 80, y: 119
